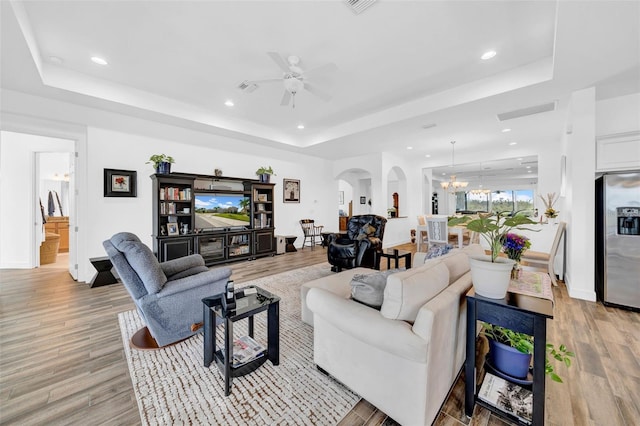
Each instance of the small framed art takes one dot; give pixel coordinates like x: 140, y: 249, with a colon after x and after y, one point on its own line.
x: 291, y: 190
x: 120, y: 183
x: 172, y: 228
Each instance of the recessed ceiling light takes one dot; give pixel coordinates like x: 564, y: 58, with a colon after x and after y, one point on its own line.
x: 528, y: 171
x: 300, y: 126
x: 98, y: 60
x: 229, y: 103
x: 409, y: 147
x: 428, y: 155
x: 506, y: 130
x: 519, y: 159
x: 444, y: 174
x: 513, y: 143
x: 488, y: 55
x: 528, y: 167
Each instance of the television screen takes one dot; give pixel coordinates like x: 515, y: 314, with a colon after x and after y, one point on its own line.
x: 221, y: 210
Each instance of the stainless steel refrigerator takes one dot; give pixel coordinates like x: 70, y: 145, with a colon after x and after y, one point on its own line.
x: 617, y: 234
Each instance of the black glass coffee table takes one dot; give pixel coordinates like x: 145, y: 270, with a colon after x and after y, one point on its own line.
x: 250, y: 301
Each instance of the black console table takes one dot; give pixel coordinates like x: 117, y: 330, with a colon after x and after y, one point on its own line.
x: 521, y: 313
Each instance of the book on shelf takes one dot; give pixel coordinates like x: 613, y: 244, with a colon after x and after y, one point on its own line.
x: 507, y: 396
x: 245, y: 350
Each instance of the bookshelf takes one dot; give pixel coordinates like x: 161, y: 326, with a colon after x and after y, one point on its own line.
x: 176, y: 229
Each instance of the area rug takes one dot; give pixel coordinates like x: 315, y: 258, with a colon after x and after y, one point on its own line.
x: 173, y: 387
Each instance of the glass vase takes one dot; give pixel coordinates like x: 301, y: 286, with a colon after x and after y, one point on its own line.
x: 516, y: 271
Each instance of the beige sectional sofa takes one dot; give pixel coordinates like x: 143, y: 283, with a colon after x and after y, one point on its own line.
x: 405, y: 357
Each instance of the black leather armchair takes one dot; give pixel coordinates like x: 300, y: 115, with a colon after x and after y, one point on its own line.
x: 360, y: 246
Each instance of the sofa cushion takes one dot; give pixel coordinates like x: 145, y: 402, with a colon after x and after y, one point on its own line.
x: 368, y: 289
x: 144, y: 262
x: 407, y: 291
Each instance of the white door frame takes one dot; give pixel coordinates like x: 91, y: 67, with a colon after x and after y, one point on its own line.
x: 78, y: 134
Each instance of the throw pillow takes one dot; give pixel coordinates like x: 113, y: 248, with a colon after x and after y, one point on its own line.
x: 366, y: 231
x: 437, y: 251
x: 368, y: 289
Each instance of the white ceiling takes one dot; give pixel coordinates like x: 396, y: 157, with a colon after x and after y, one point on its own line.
x: 401, y: 65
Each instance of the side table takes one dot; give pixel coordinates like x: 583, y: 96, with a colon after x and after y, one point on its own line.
x: 247, y: 305
x: 396, y: 255
x: 104, y: 276
x: 290, y: 239
x: 521, y: 313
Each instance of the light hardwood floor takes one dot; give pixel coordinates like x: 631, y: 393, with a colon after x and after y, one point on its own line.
x: 62, y: 359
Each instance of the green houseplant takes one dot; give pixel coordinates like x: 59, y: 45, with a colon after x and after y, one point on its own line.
x: 491, y: 274
x: 161, y: 162
x: 523, y: 343
x: 264, y: 173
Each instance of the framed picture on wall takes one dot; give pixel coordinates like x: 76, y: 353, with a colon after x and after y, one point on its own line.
x: 120, y: 183
x: 291, y: 190
x: 363, y: 200
x: 340, y: 197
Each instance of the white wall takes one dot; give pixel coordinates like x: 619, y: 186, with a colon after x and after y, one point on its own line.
x: 19, y: 207
x: 618, y: 115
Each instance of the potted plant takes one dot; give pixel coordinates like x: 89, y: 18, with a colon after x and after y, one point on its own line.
x: 491, y: 274
x: 264, y: 173
x: 510, y: 352
x: 514, y: 246
x: 162, y: 163
x: 391, y: 212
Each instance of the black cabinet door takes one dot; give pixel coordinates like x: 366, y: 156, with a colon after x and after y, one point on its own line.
x: 264, y: 242
x: 173, y: 248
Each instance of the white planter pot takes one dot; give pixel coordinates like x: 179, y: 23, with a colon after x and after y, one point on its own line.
x: 491, y: 279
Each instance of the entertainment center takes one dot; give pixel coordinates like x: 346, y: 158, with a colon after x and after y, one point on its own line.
x: 221, y: 218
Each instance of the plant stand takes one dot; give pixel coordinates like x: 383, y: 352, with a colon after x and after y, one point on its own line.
x: 521, y: 313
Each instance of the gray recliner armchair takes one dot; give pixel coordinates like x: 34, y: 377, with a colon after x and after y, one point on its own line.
x: 168, y: 295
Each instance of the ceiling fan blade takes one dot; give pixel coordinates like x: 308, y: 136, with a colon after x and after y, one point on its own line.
x: 269, y: 80
x: 279, y: 61
x: 286, y: 98
x: 319, y: 93
x: 322, y: 69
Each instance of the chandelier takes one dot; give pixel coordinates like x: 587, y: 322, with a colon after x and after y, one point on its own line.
x: 453, y: 185
x: 481, y: 190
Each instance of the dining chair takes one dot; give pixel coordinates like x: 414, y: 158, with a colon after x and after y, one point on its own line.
x: 311, y: 231
x: 545, y: 260
x: 437, y: 230
x: 422, y: 236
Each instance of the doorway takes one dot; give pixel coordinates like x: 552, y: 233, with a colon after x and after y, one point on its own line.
x: 21, y: 221
x: 53, y: 183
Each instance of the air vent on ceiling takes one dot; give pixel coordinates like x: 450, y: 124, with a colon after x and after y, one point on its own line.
x: 247, y: 87
x: 359, y: 6
x: 551, y: 106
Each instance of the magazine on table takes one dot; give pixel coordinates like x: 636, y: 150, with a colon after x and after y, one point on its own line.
x: 507, y: 396
x: 245, y: 349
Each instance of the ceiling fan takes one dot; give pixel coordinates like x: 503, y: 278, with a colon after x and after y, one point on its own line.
x: 294, y: 78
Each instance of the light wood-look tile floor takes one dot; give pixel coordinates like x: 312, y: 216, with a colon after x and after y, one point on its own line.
x: 62, y: 359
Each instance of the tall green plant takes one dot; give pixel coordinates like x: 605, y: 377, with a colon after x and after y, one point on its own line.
x: 493, y: 227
